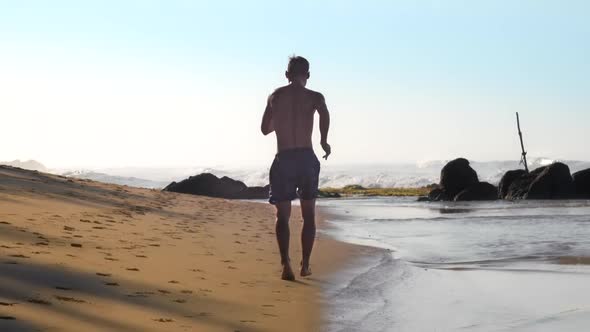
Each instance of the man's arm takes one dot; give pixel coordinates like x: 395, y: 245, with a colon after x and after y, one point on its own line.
x: 267, y: 126
x: 324, y: 125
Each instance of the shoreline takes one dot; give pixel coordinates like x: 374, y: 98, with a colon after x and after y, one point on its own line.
x: 359, y: 259
x: 84, y: 255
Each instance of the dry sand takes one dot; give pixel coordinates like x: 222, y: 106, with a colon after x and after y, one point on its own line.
x: 78, y: 255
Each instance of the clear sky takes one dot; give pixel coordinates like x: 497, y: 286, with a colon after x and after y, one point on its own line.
x: 181, y: 83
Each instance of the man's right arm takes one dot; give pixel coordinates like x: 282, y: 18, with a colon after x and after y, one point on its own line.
x: 324, y: 125
x: 267, y: 126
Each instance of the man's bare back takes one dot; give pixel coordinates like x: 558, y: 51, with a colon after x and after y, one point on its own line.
x: 295, y: 170
x: 293, y: 108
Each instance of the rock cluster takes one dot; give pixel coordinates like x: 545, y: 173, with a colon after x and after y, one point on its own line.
x: 548, y: 182
x: 207, y: 184
x: 459, y: 182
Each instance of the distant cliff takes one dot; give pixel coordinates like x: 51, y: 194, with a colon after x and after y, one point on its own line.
x: 32, y: 165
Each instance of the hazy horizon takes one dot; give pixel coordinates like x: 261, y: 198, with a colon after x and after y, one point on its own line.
x: 417, y: 163
x: 166, y: 84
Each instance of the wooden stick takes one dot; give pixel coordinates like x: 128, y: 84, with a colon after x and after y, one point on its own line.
x: 523, y: 160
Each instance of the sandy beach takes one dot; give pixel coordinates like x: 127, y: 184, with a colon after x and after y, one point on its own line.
x: 78, y: 255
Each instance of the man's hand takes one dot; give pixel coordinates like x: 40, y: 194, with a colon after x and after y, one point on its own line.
x: 327, y: 149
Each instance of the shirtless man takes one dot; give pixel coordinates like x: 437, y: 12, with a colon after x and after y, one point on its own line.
x: 295, y: 170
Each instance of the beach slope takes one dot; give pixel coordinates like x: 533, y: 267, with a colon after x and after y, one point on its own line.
x: 78, y: 255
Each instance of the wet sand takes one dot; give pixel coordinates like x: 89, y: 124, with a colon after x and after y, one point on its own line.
x: 78, y: 255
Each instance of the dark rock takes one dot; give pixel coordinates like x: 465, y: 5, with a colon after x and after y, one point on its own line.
x: 507, y: 180
x: 207, y: 184
x: 456, y: 176
x: 482, y: 191
x: 253, y: 193
x: 424, y: 199
x: 438, y: 195
x: 582, y: 183
x: 554, y: 182
x: 548, y: 182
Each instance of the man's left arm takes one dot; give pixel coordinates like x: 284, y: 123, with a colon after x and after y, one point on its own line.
x: 324, y: 125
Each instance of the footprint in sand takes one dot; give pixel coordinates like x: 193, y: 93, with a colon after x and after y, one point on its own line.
x: 173, y: 282
x: 132, y: 269
x: 111, y: 284
x: 179, y: 301
x: 163, y: 291
x: 19, y: 256
x: 103, y: 274
x: 7, y: 304
x: 38, y: 301
x: 164, y: 320
x: 141, y: 294
x: 63, y: 288
x: 69, y: 299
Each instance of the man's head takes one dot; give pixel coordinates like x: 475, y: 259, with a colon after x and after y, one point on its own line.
x: 298, y: 70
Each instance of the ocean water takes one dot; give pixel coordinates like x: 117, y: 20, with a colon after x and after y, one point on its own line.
x: 332, y: 175
x: 486, y: 266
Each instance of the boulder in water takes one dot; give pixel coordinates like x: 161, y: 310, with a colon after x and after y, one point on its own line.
x: 554, y: 182
x: 456, y: 176
x: 438, y: 194
x: 582, y: 183
x: 481, y: 191
x: 507, y: 180
x: 548, y: 182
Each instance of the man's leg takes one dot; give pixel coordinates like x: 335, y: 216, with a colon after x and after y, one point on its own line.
x: 283, y: 235
x: 307, y: 234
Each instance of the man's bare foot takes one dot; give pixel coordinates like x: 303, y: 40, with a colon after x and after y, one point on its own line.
x: 305, y: 271
x: 288, y: 273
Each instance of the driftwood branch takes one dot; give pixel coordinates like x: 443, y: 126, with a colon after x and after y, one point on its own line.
x: 523, y: 159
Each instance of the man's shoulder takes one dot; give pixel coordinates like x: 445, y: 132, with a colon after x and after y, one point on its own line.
x: 279, y: 91
x: 316, y: 96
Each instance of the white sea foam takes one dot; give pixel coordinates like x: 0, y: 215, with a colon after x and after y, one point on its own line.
x: 382, y: 175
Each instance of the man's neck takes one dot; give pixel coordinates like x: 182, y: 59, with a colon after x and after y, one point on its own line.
x: 298, y: 83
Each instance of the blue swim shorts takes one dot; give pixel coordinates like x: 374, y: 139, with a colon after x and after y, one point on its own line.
x: 294, y: 173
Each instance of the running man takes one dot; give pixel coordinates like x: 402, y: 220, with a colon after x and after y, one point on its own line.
x: 295, y: 170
